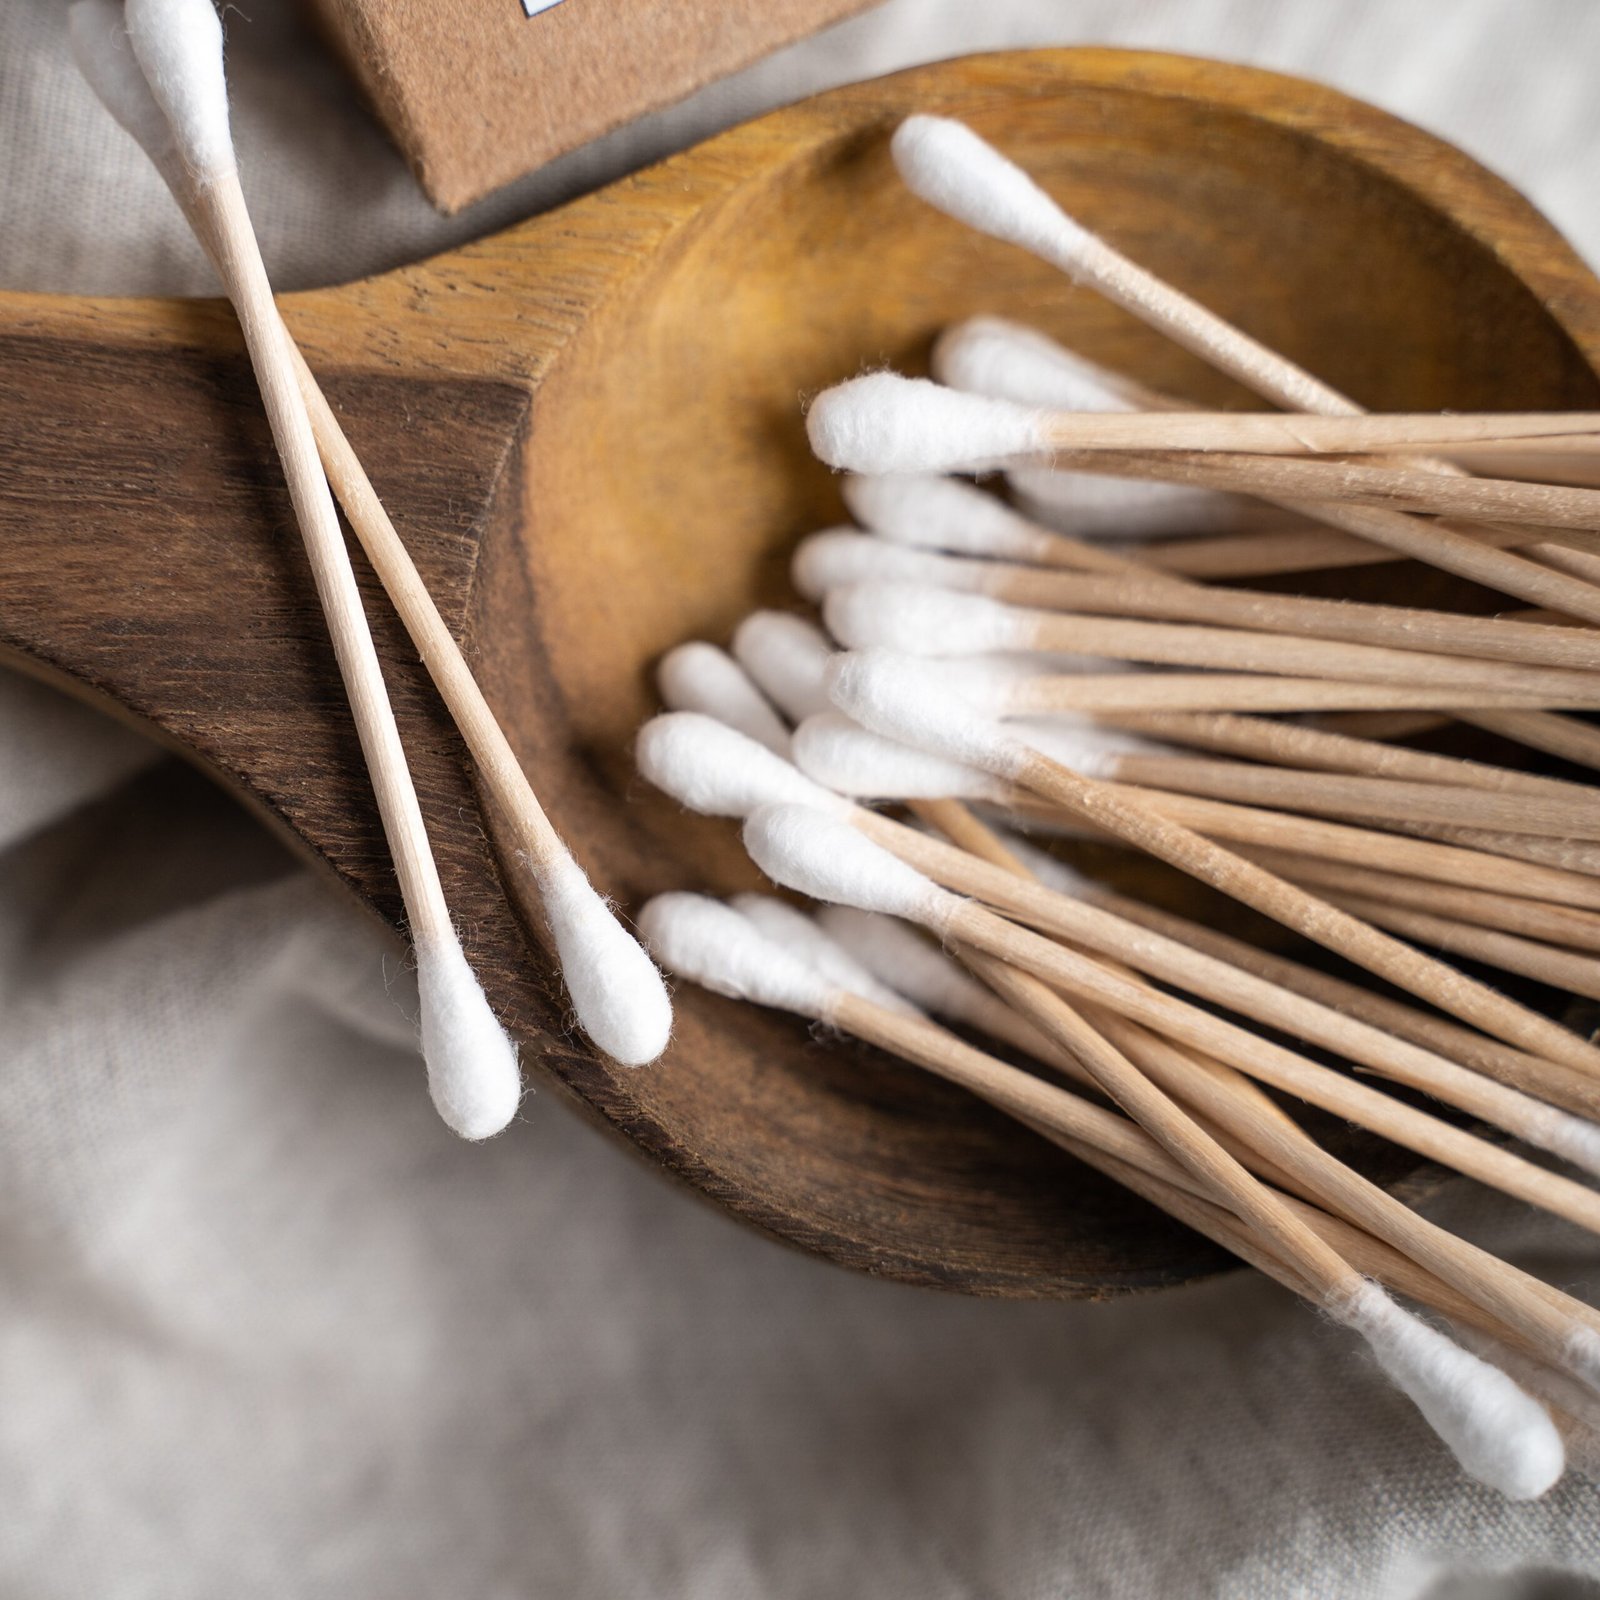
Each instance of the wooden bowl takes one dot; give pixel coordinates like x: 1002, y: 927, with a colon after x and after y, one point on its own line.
x: 588, y: 429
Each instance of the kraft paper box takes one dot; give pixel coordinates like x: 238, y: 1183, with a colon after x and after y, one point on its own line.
x: 478, y: 92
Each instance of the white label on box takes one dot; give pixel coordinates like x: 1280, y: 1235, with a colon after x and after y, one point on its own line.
x: 532, y: 8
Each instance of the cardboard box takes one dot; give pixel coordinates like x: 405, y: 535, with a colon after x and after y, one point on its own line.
x: 478, y: 92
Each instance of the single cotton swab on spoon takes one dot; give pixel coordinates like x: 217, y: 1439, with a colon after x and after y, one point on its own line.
x: 1498, y: 1434
x: 617, y: 995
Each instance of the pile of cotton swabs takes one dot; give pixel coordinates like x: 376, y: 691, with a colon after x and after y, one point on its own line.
x: 1052, y: 664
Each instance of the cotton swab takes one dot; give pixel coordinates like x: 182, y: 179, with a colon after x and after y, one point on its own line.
x: 929, y: 512
x: 1005, y: 360
x: 1294, y: 744
x: 1499, y: 1436
x: 837, y: 558
x: 953, y: 169
x: 790, y: 927
x: 921, y: 620
x: 715, y: 771
x: 472, y: 1065
x: 895, y: 413
x: 617, y: 995
x: 884, y: 694
x: 700, y: 677
x: 784, y: 656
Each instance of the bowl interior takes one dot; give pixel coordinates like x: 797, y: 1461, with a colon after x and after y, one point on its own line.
x: 669, y: 478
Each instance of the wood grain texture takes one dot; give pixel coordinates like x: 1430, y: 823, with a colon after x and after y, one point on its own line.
x: 588, y: 431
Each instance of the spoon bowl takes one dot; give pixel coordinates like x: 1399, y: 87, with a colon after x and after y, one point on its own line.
x: 588, y: 430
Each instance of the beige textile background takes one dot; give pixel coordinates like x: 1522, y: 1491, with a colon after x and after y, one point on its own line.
x: 265, y: 1329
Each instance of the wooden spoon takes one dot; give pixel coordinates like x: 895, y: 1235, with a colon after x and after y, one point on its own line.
x: 588, y: 430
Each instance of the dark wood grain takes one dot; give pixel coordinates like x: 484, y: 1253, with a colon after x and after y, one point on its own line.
x: 588, y: 430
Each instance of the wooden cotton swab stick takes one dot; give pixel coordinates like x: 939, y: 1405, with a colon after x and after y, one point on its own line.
x: 1541, y: 730
x: 887, y: 694
x: 713, y: 770
x: 618, y: 996
x: 472, y: 1065
x: 1561, y: 969
x: 951, y: 168
x: 1283, y: 435
x: 1497, y: 1433
x: 1294, y: 744
x: 1563, y: 926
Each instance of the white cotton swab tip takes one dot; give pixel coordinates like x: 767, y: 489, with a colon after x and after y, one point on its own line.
x: 826, y: 859
x: 847, y: 758
x: 919, y: 619
x: 1501, y: 1436
x: 619, y: 998
x: 893, y: 695
x: 711, y: 769
x: 945, y: 163
x: 825, y: 561
x: 904, y: 960
x: 807, y: 941
x: 97, y: 33
x: 700, y: 677
x: 934, y: 513
x: 785, y: 656
x: 714, y: 946
x: 472, y: 1064
x: 1006, y: 361
x: 179, y: 45
x: 886, y: 423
